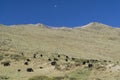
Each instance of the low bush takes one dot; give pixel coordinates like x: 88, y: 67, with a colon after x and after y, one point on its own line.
x: 1, y: 57
x: 16, y: 57
x: 46, y: 78
x: 4, y: 77
x: 40, y: 78
x: 58, y: 78
x: 5, y: 62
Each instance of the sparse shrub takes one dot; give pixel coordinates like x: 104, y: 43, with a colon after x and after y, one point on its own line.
x: 58, y: 78
x: 49, y: 59
x: 72, y: 78
x: 79, y: 74
x: 26, y: 63
x: 78, y: 60
x: 48, y: 78
x: 4, y: 77
x: 41, y: 67
x: 90, y: 65
x: 112, y: 38
x: 16, y: 57
x: 58, y: 55
x: 41, y: 78
x: 29, y: 70
x: 28, y: 60
x: 5, y: 62
x: 97, y: 79
x: 53, y: 63
x: 6, y: 54
x: 55, y: 59
x: 1, y: 57
x: 73, y: 59
x: 104, y: 60
x: 101, y: 68
x: 57, y: 67
x: 19, y: 70
x: 84, y: 62
x: 5, y: 44
x: 117, y: 62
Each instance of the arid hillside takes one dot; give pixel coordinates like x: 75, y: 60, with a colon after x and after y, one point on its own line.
x: 39, y: 52
x: 94, y: 40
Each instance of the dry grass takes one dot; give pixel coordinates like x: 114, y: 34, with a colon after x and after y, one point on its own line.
x: 96, y: 41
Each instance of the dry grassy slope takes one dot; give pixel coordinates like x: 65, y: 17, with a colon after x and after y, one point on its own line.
x: 94, y: 40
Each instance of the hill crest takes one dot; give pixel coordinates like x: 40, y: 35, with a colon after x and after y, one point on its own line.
x: 89, y: 25
x: 95, y: 24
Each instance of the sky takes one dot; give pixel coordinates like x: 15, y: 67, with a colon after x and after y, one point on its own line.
x: 59, y: 13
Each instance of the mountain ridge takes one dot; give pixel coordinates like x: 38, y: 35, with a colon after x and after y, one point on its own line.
x: 89, y: 25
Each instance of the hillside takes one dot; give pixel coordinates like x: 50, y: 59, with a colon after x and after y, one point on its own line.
x: 92, y: 41
x: 96, y: 40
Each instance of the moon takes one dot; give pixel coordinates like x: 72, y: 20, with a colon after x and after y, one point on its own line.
x: 55, y: 6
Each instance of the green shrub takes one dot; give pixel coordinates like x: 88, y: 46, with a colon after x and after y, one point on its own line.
x: 1, y: 57
x: 79, y: 74
x: 72, y: 78
x: 4, y: 77
x: 40, y: 78
x: 5, y: 62
x: 6, y: 55
x: 48, y: 78
x: 16, y: 57
x: 112, y: 38
x: 58, y: 78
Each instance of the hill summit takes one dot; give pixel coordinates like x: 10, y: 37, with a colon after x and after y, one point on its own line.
x: 96, y: 25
